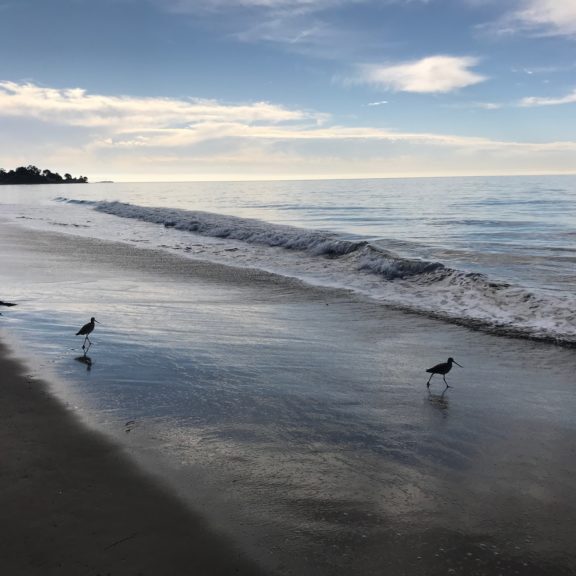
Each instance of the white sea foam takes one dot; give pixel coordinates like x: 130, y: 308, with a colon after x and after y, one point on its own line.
x: 324, y: 258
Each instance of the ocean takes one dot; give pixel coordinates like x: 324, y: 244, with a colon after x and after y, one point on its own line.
x: 495, y: 253
x: 262, y: 350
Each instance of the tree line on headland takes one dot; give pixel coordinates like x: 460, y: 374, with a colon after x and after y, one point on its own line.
x: 33, y: 175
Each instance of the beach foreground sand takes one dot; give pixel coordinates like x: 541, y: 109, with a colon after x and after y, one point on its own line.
x: 71, y: 504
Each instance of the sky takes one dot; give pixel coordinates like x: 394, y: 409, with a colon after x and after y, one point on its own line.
x: 166, y: 90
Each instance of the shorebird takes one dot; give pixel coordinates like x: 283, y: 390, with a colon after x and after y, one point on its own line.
x: 443, y: 369
x: 85, y: 331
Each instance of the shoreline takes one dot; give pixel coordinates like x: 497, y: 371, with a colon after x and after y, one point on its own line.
x: 73, y: 504
x: 296, y: 420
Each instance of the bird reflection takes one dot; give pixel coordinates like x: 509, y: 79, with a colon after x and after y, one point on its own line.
x: 440, y: 402
x: 85, y: 360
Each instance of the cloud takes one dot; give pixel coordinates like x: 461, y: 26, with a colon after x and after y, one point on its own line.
x: 76, y: 107
x: 295, y: 32
x: 488, y: 105
x: 556, y: 17
x: 171, y: 135
x: 477, y: 105
x: 434, y: 74
x: 236, y: 132
x: 284, y: 6
x: 292, y: 6
x: 536, y: 17
x: 131, y: 122
x: 531, y: 101
x: 310, y: 27
x: 378, y: 103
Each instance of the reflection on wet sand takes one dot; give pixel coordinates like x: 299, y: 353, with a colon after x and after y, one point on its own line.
x: 86, y: 360
x: 439, y: 402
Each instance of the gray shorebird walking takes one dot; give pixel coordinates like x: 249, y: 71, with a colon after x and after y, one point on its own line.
x: 443, y: 369
x: 85, y: 331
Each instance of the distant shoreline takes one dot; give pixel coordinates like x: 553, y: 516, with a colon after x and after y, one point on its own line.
x: 37, y: 183
x: 33, y: 175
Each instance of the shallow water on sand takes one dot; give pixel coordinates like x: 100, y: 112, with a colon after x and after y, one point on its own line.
x: 298, y: 418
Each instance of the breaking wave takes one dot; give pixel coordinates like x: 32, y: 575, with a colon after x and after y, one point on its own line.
x: 422, y: 286
x: 232, y: 228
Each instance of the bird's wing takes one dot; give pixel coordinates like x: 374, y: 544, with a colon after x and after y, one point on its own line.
x: 434, y: 368
x: 83, y: 330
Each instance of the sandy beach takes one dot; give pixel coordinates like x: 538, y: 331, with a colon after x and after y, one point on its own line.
x: 293, y: 425
x: 72, y: 504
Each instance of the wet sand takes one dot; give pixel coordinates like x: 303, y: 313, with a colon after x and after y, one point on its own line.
x: 307, y: 407
x: 72, y: 504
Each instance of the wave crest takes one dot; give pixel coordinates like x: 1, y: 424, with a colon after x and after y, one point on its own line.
x: 418, y: 285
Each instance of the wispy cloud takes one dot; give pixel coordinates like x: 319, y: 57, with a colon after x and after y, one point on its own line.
x: 342, y: 135
x: 433, y: 74
x: 539, y: 101
x: 132, y: 132
x: 294, y: 31
x: 125, y: 121
x: 536, y: 17
x: 284, y: 6
x: 76, y: 107
x: 488, y: 105
x: 552, y: 69
x: 477, y: 105
x: 548, y: 16
x: 195, y: 6
x: 311, y: 27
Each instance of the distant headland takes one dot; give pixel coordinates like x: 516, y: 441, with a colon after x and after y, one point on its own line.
x: 33, y: 175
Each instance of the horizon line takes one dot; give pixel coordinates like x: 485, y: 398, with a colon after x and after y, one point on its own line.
x: 121, y: 180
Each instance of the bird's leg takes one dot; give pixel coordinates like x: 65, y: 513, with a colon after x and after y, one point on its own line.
x: 86, y: 339
x: 447, y: 385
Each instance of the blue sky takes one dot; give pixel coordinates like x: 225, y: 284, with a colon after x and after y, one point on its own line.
x: 257, y: 89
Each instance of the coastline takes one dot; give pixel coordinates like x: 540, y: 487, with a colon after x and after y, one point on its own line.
x: 306, y: 407
x: 73, y: 504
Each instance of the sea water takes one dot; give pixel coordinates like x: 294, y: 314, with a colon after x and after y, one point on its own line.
x: 497, y: 253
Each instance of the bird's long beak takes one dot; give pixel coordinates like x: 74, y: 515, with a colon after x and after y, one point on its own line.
x: 99, y: 323
x: 458, y: 364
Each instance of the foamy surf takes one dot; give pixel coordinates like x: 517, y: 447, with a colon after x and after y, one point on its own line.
x: 328, y: 259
